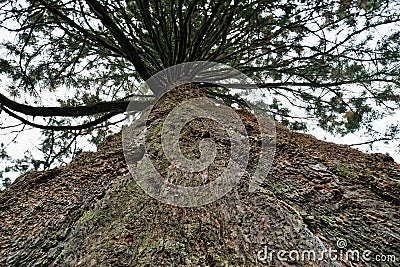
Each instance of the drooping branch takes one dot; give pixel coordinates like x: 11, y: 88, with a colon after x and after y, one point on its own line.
x: 63, y: 127
x: 102, y: 107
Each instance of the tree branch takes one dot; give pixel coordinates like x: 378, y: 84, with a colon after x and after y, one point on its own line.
x: 373, y: 141
x: 130, y: 51
x: 65, y: 127
x: 102, y: 107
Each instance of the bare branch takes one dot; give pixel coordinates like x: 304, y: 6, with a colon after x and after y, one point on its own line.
x: 102, y: 107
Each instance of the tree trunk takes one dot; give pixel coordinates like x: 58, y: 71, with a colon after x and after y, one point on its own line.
x: 317, y: 197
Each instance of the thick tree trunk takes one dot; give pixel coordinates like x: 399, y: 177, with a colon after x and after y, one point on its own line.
x: 317, y: 197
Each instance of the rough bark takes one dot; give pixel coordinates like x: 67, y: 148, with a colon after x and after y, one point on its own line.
x: 92, y: 212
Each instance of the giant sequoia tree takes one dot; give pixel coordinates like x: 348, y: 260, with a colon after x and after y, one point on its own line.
x: 330, y: 62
